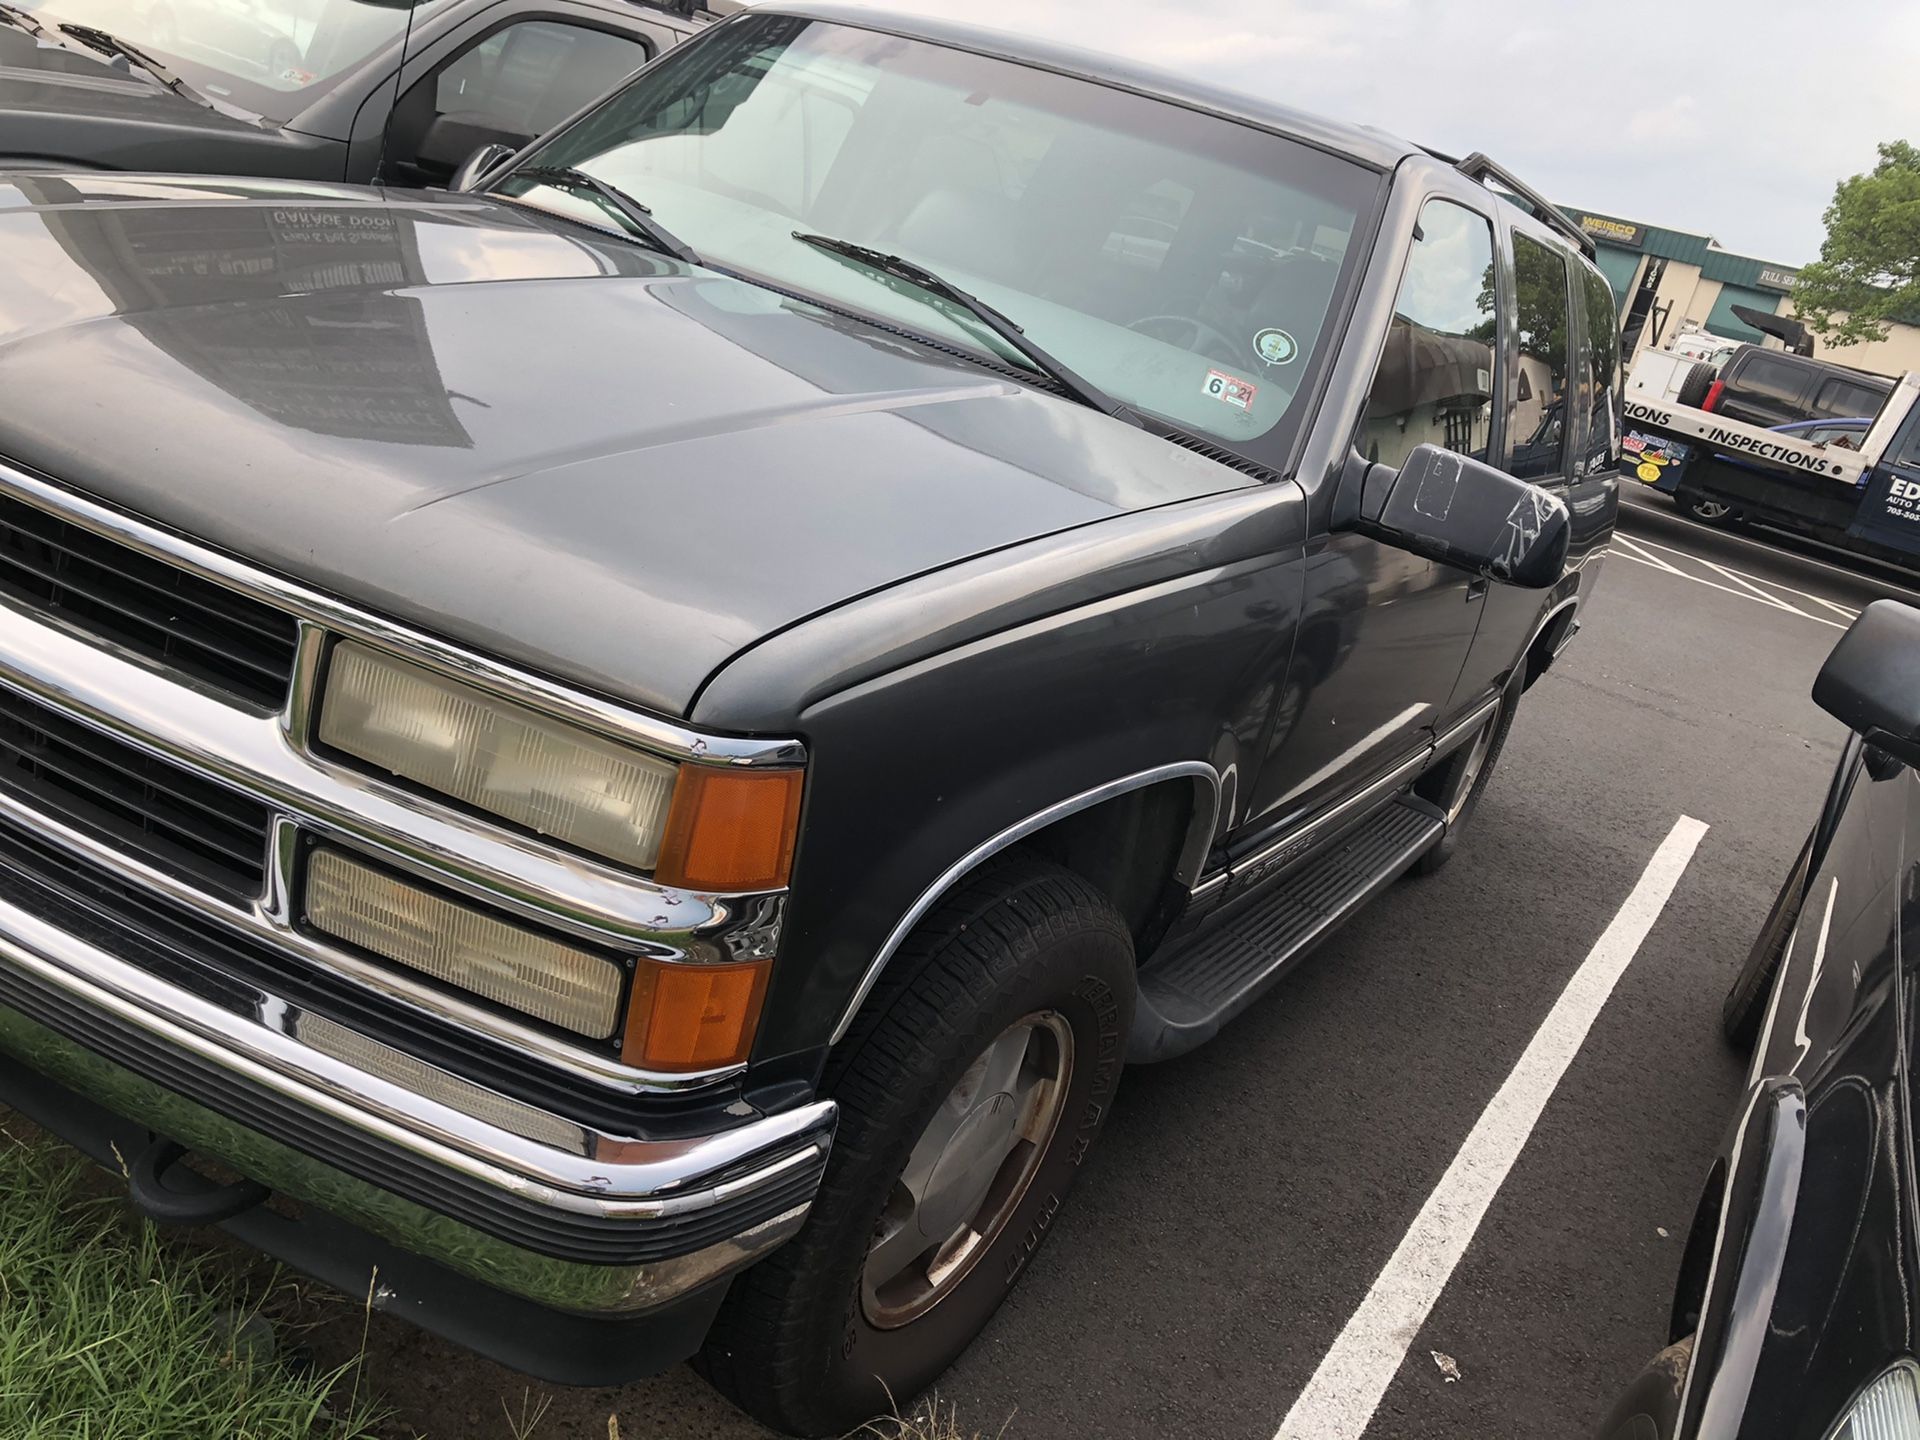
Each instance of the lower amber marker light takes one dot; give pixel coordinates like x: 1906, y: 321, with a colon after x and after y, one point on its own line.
x: 694, y: 1017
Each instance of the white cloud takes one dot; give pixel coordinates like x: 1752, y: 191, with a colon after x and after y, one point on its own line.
x: 1698, y: 117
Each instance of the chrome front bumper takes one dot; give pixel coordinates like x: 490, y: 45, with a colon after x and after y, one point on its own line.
x: 481, y: 1182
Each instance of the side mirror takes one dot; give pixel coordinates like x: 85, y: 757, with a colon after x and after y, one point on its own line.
x: 1871, y: 681
x: 476, y: 167
x: 1459, y: 511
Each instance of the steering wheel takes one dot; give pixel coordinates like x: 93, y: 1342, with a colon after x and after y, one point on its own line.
x: 1190, y: 333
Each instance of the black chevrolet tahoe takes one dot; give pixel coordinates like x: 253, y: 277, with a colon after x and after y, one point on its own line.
x: 636, y: 745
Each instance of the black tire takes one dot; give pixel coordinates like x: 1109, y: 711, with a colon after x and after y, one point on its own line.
x: 1441, y: 784
x: 794, y: 1345
x: 1649, y: 1408
x: 1693, y: 389
x: 1746, y: 1004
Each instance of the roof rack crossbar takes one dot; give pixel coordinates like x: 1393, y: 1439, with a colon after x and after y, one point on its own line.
x: 1479, y: 166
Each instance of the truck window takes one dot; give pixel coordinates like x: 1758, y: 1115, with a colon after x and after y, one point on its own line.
x: 1537, y: 412
x: 1600, y: 371
x: 1767, y: 378
x: 1849, y: 398
x: 1435, y: 381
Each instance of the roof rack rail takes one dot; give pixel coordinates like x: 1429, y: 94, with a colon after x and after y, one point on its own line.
x: 1478, y: 166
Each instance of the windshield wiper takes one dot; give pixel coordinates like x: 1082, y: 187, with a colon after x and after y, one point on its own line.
x: 108, y: 44
x: 615, y: 199
x: 941, y: 288
x: 22, y: 19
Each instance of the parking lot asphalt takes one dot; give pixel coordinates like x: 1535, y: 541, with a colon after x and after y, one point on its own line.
x: 1245, y: 1198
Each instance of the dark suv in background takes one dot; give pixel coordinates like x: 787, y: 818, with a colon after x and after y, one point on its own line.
x: 1774, y: 387
x: 649, y: 739
x: 309, y: 89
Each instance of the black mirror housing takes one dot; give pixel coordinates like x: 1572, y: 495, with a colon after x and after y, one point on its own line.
x: 1463, y: 512
x: 1871, y: 681
x: 478, y: 165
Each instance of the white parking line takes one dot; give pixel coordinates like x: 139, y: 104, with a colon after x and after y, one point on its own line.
x: 1656, y: 563
x: 1340, y: 1399
x: 1743, y: 575
x: 1631, y: 500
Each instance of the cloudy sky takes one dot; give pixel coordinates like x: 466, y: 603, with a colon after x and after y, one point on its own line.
x: 1722, y: 118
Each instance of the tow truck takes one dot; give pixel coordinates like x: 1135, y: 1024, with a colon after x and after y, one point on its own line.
x: 1864, y: 500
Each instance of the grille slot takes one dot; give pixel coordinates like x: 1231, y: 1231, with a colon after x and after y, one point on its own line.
x: 148, y: 606
x: 175, y: 821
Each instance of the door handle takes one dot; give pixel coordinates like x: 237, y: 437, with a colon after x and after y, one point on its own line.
x: 1476, y: 588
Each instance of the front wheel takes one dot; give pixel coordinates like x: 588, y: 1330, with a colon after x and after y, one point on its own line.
x: 970, y: 1088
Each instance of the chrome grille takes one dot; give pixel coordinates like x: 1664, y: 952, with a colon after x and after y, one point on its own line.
x: 174, y: 820
x: 148, y: 606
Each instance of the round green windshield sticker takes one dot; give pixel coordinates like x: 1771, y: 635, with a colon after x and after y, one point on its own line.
x: 1274, y: 347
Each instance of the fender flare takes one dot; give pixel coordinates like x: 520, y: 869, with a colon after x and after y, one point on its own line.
x: 1193, y: 854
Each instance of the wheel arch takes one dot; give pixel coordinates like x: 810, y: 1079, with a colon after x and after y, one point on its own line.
x: 1069, y: 831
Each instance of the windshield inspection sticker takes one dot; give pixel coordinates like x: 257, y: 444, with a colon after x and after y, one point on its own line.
x: 1275, y: 346
x: 1230, y: 389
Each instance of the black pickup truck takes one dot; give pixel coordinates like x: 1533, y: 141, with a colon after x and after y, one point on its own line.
x: 645, y: 741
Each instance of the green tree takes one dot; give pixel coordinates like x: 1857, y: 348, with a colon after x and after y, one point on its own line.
x: 1869, y: 265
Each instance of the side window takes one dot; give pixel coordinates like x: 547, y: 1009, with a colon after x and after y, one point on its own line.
x: 1905, y: 450
x: 1537, y: 416
x: 1601, y: 372
x: 526, y: 78
x: 1435, y: 381
x: 1847, y: 398
x: 1769, y: 379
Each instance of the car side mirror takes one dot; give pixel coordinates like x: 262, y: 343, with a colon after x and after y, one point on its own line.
x: 477, y: 166
x: 1459, y: 511
x: 1871, y: 681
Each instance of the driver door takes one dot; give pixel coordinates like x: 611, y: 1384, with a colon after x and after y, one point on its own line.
x: 1384, y: 634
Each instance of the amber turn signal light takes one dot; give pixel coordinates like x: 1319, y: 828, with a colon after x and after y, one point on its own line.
x: 693, y: 1017
x: 730, y: 830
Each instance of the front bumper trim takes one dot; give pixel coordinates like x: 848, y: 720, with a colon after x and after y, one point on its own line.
x: 595, y: 1200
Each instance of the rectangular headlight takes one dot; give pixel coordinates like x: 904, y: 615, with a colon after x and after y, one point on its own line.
x: 552, y: 777
x: 463, y: 946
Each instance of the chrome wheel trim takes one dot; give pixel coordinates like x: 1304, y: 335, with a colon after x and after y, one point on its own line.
x: 1475, y: 762
x: 969, y: 1170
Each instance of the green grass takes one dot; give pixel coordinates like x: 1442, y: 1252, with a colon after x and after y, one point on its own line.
x: 108, y: 1332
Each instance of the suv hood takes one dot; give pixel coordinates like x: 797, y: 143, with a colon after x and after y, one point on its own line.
x: 65, y: 100
x: 557, y: 448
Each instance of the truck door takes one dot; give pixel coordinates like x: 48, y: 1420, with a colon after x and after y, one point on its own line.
x: 1383, y: 633
x: 1541, y: 432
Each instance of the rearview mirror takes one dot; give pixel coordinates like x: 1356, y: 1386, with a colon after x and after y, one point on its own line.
x: 477, y: 166
x: 1456, y: 510
x: 1871, y: 681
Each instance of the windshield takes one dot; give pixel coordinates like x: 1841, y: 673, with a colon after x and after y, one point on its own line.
x: 1180, y: 262
x: 271, y: 57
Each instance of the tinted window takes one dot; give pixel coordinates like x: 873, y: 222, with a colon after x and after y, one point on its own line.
x: 1905, y: 449
x: 1537, y: 416
x: 1600, y: 372
x: 1767, y: 377
x: 1849, y: 397
x: 527, y: 78
x: 1179, y: 261
x: 1435, y: 381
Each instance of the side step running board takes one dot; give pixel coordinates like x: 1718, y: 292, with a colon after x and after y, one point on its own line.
x: 1188, y: 993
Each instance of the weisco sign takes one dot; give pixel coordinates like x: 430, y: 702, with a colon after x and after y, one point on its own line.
x: 1615, y: 232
